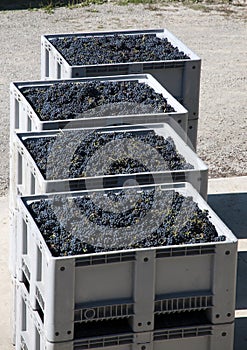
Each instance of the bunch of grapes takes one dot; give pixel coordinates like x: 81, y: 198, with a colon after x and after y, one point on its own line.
x: 183, y: 222
x: 118, y: 48
x: 73, y: 100
x: 170, y: 159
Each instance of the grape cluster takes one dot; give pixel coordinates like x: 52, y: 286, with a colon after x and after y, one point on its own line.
x: 118, y: 48
x: 126, y: 165
x: 40, y: 148
x: 73, y: 100
x: 183, y: 222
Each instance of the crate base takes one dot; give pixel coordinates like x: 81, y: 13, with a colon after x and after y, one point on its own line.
x: 196, y: 336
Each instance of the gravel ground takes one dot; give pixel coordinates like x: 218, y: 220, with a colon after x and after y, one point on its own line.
x: 216, y: 33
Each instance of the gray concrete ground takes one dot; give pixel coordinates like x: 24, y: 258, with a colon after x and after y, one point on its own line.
x: 228, y: 198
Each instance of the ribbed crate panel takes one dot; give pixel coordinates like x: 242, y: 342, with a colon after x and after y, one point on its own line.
x: 180, y: 77
x: 31, y: 335
x: 137, y: 284
x: 192, y: 131
x: 12, y: 242
x: 24, y: 118
x: 29, y: 180
x: 14, y: 285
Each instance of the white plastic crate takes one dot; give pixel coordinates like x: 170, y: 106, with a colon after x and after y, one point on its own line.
x: 26, y: 178
x: 180, y: 77
x: 24, y: 118
x: 29, y: 180
x: 30, y: 334
x: 137, y: 284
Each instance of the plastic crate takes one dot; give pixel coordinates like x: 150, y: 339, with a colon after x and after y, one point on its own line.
x: 30, y: 334
x: 26, y: 179
x: 29, y: 180
x: 136, y: 284
x: 23, y: 117
x: 180, y: 77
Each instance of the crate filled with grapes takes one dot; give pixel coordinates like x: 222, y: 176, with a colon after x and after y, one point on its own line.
x: 87, y: 102
x: 154, y: 51
x: 132, y: 253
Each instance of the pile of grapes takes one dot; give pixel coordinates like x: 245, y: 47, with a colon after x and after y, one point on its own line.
x: 73, y: 100
x: 180, y: 221
x: 145, y: 145
x: 118, y: 48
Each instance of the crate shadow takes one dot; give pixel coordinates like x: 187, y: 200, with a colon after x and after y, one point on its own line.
x: 240, y: 336
x: 232, y: 209
x: 241, y: 294
x: 31, y: 4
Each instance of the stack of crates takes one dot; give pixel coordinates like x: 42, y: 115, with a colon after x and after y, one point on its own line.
x: 138, y: 299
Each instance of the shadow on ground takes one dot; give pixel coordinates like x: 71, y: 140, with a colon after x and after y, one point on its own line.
x: 31, y: 4
x: 232, y: 209
x: 240, y: 336
x: 241, y: 297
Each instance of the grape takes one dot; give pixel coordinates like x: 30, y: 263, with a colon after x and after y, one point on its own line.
x: 184, y: 222
x: 71, y: 100
x: 40, y: 149
x: 118, y: 48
